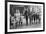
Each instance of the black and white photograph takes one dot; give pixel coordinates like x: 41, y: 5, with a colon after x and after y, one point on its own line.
x: 24, y: 17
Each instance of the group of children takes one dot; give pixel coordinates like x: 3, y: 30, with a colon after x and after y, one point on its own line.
x: 23, y: 18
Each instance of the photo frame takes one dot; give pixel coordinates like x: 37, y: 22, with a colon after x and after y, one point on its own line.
x: 20, y: 7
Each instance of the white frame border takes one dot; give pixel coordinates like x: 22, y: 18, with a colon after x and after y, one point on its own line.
x: 8, y: 20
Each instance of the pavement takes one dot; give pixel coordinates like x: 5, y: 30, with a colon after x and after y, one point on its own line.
x: 29, y: 26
